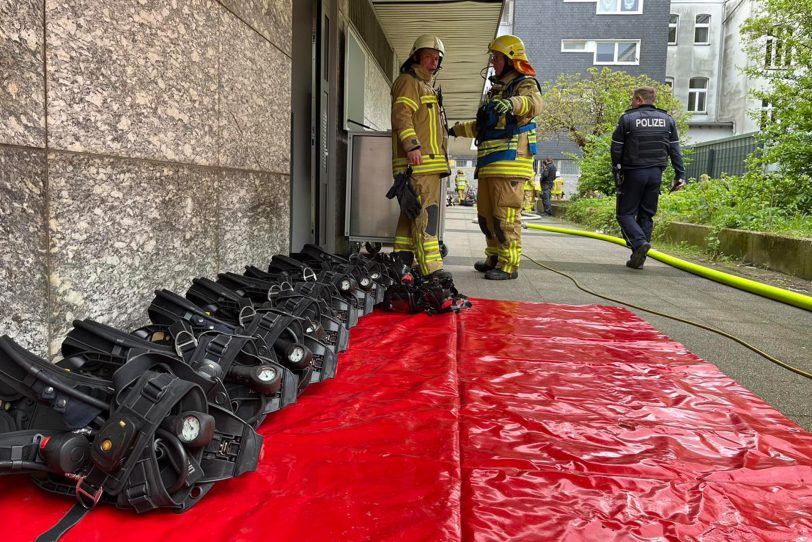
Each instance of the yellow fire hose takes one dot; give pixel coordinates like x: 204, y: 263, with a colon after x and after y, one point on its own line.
x: 779, y: 294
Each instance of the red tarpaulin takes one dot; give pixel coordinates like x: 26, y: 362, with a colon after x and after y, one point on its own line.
x: 509, y: 421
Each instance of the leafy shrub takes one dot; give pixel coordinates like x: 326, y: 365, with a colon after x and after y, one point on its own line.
x: 594, y: 213
x: 757, y: 203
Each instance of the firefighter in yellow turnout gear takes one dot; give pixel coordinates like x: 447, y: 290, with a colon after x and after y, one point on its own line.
x: 461, y: 183
x: 531, y: 191
x: 420, y: 140
x: 506, y: 145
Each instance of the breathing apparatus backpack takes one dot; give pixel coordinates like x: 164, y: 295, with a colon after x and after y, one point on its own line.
x: 220, y: 364
x: 416, y: 293
x: 144, y: 439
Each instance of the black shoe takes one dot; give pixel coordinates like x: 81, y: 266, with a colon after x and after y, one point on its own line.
x: 498, y: 274
x: 639, y: 256
x: 483, y: 266
x: 440, y: 275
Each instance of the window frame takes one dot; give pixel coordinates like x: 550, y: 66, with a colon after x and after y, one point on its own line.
x: 565, y: 49
x: 696, y: 93
x: 591, y: 47
x: 777, y: 54
x: 675, y: 26
x: 705, y: 26
x: 619, y: 8
x: 615, y: 62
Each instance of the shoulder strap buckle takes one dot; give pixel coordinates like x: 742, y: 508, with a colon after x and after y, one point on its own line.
x: 88, y: 499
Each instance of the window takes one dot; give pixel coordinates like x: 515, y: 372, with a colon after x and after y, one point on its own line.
x: 776, y: 53
x: 702, y: 29
x: 697, y: 95
x: 766, y: 116
x: 573, y: 45
x: 670, y: 82
x: 606, y: 52
x: 617, y: 52
x: 619, y: 7
x: 673, y: 23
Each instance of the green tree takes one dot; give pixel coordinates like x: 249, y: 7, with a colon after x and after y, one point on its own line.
x: 778, y: 40
x: 587, y: 109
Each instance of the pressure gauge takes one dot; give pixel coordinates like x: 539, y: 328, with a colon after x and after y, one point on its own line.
x: 296, y: 354
x: 192, y: 428
x: 345, y: 285
x: 365, y: 282
x: 266, y: 374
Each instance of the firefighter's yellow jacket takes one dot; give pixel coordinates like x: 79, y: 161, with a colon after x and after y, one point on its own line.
x: 515, y: 156
x: 417, y: 122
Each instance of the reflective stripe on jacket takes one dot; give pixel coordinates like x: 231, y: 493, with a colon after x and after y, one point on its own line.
x: 417, y: 123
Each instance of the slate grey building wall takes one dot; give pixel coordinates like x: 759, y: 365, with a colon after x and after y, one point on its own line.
x: 542, y: 24
x: 142, y: 143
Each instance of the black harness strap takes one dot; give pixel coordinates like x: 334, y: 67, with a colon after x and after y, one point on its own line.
x: 71, y: 518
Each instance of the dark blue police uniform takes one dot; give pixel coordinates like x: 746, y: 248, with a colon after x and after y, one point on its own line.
x: 643, y: 141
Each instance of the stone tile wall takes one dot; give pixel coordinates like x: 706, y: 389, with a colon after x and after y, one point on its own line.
x: 141, y: 145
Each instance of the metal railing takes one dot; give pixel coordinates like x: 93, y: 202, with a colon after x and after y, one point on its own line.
x: 713, y: 158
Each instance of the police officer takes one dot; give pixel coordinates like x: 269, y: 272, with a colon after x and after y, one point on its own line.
x: 548, y: 175
x: 420, y: 141
x: 643, y: 141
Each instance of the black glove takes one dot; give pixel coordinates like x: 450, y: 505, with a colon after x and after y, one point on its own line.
x: 409, y: 204
x: 617, y: 173
x: 407, y: 197
x: 452, y: 132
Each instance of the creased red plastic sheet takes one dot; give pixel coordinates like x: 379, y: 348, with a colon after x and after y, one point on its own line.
x: 509, y: 421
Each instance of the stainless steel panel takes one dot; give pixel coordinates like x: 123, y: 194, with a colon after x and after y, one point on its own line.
x: 370, y: 216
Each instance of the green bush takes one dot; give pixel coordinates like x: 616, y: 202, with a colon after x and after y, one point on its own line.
x: 756, y: 203
x: 596, y: 213
x: 596, y: 167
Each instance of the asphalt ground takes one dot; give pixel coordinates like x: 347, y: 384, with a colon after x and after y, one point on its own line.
x: 783, y: 331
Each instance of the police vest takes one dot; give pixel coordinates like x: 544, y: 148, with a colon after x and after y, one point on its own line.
x: 498, y: 139
x: 647, y: 137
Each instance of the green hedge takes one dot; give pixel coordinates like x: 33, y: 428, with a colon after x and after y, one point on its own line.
x: 763, y: 203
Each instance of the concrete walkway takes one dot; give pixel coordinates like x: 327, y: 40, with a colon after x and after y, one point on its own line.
x: 780, y: 330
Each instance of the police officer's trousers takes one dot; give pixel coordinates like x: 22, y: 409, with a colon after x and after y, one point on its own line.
x: 421, y: 235
x: 499, y: 207
x: 637, y: 198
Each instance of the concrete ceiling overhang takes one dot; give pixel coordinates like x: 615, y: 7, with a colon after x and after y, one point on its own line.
x: 466, y: 27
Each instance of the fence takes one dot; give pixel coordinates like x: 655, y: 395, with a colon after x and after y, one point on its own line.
x: 727, y: 155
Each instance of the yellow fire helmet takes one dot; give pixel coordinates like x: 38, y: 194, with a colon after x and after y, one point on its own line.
x: 513, y: 48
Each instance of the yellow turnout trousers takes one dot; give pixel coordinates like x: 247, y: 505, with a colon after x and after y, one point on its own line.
x: 421, y: 235
x: 499, y: 206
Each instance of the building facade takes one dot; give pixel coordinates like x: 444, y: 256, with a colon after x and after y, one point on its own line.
x: 149, y: 143
x: 571, y: 36
x: 705, y: 61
